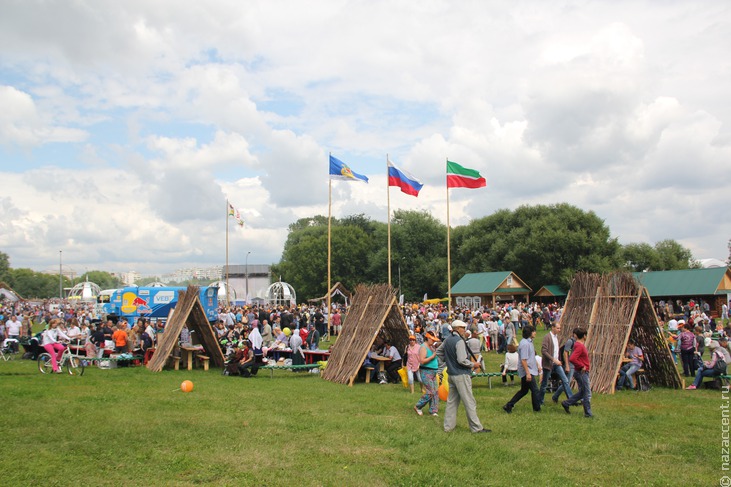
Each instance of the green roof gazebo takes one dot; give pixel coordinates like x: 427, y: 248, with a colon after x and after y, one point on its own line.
x: 487, y: 288
x: 553, y: 292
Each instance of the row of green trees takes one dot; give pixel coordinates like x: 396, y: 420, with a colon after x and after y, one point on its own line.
x: 31, y: 284
x: 543, y: 244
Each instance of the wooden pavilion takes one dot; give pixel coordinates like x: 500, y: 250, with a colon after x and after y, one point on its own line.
x: 614, y: 308
x: 189, y: 310
x: 374, y: 312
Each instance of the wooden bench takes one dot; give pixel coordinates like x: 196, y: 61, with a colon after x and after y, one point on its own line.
x: 204, y: 360
x: 641, y: 381
x: 369, y: 371
x: 176, y: 361
x: 272, y: 368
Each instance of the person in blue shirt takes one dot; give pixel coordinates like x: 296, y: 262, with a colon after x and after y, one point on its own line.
x: 528, y: 372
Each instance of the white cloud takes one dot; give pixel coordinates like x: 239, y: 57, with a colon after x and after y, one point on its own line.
x: 126, y: 125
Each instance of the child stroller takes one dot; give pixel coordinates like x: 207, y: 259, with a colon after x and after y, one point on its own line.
x: 8, y: 348
x: 32, y: 347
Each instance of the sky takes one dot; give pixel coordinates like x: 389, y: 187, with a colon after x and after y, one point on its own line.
x: 126, y: 126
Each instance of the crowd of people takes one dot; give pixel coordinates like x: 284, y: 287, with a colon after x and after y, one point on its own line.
x: 440, y: 339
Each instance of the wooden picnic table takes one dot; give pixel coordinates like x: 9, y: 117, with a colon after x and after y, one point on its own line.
x: 188, y: 355
x: 381, y: 361
x: 312, y: 356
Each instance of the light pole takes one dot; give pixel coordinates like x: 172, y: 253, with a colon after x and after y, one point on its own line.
x: 402, y: 259
x: 60, y: 274
x: 399, y: 279
x: 247, y: 276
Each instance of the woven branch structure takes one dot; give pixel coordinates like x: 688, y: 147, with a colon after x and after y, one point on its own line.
x: 614, y: 308
x: 188, y: 310
x: 373, y: 312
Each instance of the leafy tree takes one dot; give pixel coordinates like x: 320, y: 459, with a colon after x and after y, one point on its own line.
x: 4, y: 267
x: 419, y: 247
x: 31, y: 284
x: 673, y: 256
x: 359, y: 254
x: 640, y: 257
x: 541, y: 244
x: 102, y: 279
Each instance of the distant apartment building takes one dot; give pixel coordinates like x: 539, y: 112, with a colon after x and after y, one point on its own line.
x: 190, y: 273
x: 130, y: 278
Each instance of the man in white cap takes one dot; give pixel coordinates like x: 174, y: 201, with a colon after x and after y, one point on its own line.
x: 459, y: 367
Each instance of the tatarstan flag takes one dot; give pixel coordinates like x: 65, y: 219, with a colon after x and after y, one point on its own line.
x: 462, y: 177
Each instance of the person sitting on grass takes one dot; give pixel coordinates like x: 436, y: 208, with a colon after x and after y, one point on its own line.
x: 231, y: 365
x: 247, y: 364
x: 627, y: 372
x: 713, y: 368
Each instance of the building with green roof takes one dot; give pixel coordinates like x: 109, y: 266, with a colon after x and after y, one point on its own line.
x: 551, y: 292
x: 488, y: 288
x: 712, y: 285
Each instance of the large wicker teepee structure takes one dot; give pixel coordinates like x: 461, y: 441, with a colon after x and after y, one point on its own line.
x: 374, y: 312
x: 188, y: 310
x: 615, y: 308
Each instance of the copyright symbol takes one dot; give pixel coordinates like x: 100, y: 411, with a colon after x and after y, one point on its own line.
x: 725, y: 481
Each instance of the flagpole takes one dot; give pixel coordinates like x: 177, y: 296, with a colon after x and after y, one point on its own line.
x: 227, y: 288
x: 449, y: 259
x: 388, y: 199
x: 329, y: 219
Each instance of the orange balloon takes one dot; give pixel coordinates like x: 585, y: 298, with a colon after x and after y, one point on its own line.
x: 186, y: 386
x: 443, y: 392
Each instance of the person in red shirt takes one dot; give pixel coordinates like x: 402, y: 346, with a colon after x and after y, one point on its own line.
x: 580, y: 358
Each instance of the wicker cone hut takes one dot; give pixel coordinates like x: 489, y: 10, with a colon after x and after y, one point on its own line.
x: 374, y: 311
x: 615, y: 308
x: 188, y: 310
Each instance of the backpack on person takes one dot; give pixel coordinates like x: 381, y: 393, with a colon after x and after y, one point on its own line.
x: 719, y: 368
x: 562, y: 349
x: 145, y: 341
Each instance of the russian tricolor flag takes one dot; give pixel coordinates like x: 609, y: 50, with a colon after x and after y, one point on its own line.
x: 408, y: 183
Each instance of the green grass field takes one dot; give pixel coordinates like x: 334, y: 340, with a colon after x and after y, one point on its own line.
x: 129, y: 426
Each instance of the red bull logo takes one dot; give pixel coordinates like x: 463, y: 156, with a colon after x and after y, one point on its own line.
x: 131, y: 302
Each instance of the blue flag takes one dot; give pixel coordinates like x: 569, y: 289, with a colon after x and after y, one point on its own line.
x: 340, y: 170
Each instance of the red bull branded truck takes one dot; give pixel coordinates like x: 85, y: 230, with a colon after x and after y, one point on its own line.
x: 135, y: 302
